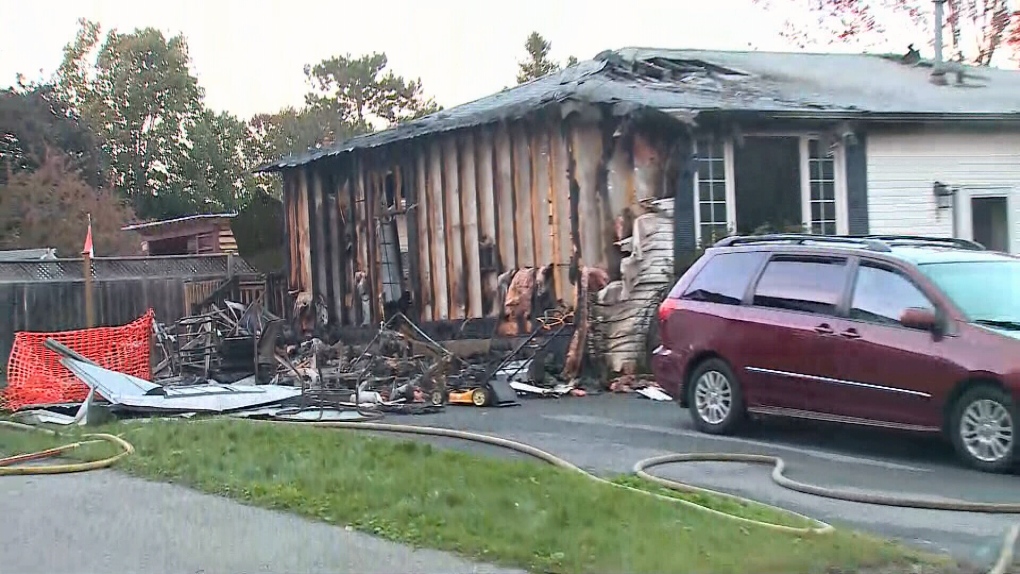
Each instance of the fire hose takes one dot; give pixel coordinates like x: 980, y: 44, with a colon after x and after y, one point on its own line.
x: 640, y: 469
x: 7, y: 468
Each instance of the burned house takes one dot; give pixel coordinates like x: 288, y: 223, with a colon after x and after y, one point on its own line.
x: 439, y: 213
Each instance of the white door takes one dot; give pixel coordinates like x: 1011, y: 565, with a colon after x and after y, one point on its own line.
x: 989, y: 216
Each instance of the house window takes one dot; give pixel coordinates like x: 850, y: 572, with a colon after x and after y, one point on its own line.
x: 713, y: 220
x: 822, y: 185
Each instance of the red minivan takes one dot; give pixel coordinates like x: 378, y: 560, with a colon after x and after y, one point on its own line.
x: 910, y: 333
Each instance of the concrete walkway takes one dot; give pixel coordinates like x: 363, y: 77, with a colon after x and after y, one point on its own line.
x: 108, y: 522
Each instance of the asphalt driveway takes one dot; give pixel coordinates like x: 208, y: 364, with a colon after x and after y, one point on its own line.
x: 609, y: 433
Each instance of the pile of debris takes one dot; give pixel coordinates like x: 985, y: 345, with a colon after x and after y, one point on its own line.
x: 120, y: 394
x: 243, y: 360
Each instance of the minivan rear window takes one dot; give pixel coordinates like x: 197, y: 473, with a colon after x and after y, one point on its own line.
x: 725, y: 277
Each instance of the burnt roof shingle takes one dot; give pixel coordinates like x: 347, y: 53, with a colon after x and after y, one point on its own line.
x: 699, y: 81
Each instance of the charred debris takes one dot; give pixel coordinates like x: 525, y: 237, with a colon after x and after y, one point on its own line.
x: 245, y: 361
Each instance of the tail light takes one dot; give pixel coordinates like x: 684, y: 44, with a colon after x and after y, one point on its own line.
x: 666, y: 309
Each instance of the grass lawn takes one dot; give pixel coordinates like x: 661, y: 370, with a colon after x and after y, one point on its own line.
x: 509, y: 512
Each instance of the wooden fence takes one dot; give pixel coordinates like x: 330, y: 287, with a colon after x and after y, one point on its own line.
x: 50, y: 295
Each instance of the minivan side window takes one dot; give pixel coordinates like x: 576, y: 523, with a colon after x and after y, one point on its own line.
x: 882, y: 295
x: 809, y: 285
x: 725, y: 278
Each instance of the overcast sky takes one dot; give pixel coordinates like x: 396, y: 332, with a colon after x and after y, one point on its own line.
x: 249, y: 54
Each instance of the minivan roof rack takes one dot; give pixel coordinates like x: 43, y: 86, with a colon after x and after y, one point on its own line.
x: 802, y: 238
x: 920, y: 240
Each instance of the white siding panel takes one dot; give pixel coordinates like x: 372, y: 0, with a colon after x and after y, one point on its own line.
x: 902, y: 169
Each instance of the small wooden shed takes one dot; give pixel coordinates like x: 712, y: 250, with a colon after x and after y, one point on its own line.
x: 191, y: 235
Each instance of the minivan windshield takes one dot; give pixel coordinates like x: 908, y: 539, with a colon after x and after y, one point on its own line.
x: 988, y: 292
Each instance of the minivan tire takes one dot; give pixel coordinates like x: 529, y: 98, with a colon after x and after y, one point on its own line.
x: 992, y: 398
x: 714, y: 377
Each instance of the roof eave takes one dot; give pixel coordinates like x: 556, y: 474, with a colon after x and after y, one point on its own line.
x: 177, y: 220
x: 877, y: 117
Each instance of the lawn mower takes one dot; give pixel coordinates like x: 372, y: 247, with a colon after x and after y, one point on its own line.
x: 473, y: 386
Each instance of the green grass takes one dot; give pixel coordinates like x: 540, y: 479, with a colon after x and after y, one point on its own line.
x: 510, y: 512
x: 734, y: 506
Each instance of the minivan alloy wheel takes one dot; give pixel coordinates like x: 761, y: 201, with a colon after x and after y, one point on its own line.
x: 713, y: 397
x: 986, y: 429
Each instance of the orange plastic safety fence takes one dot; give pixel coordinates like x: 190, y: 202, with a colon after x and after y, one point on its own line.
x: 35, y: 375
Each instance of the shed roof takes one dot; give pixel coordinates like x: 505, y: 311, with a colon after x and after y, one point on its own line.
x: 153, y: 226
x: 28, y: 254
x: 699, y: 81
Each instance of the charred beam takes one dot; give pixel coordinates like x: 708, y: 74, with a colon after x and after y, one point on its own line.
x: 611, y: 250
x: 410, y: 179
x: 334, y: 255
x: 575, y: 195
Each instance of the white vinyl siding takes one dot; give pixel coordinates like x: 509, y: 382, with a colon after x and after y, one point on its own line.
x: 902, y: 169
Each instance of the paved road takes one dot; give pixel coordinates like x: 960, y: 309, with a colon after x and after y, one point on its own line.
x: 608, y: 434
x: 107, y: 522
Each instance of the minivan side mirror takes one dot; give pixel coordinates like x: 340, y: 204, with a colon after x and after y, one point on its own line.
x: 918, y: 318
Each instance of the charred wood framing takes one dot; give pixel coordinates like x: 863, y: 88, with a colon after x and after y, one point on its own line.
x: 426, y: 237
x: 316, y: 229
x: 288, y: 219
x: 304, y: 271
x: 504, y: 181
x: 372, y: 259
x: 454, y: 229
x: 334, y: 252
x: 523, y: 212
x: 488, y: 232
x: 575, y: 196
x: 611, y: 252
x: 459, y: 212
x: 356, y: 220
x: 472, y: 274
x: 410, y: 190
x: 440, y: 278
x: 560, y: 192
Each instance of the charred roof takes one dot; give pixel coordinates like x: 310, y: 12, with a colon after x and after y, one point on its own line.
x: 691, y: 82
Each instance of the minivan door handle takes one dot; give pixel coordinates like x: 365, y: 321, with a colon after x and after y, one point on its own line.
x: 824, y: 329
x: 851, y: 333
